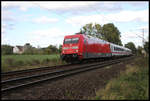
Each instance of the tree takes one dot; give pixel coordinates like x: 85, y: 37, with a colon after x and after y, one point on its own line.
x: 111, y: 34
x: 60, y: 48
x: 146, y: 46
x: 92, y: 30
x: 97, y: 30
x: 7, y: 49
x: 131, y: 46
x: 139, y: 50
x: 108, y: 32
x: 87, y: 29
x: 52, y: 48
x: 28, y: 49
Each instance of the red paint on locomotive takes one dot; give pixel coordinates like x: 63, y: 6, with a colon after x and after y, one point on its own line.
x: 80, y: 46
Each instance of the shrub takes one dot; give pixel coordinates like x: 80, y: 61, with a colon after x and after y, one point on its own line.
x: 29, y: 62
x: 45, y: 61
x: 131, y: 84
x: 35, y: 61
x: 10, y: 61
x: 19, y: 63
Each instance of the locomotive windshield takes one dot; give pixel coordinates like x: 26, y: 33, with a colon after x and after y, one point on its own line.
x: 71, y: 40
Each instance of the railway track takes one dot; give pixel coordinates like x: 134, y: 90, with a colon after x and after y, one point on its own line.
x: 39, y: 70
x: 11, y: 73
x: 13, y: 84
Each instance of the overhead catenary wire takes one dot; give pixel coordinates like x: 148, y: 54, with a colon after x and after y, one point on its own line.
x: 143, y: 39
x: 135, y: 33
x: 96, y: 10
x: 56, y: 13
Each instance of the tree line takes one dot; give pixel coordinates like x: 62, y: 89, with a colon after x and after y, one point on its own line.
x: 51, y: 49
x: 108, y: 32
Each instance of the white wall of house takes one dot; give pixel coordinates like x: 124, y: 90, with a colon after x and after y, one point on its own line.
x: 16, y: 50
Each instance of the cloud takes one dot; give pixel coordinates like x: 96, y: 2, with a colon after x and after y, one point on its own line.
x: 23, y: 5
x: 130, y: 37
x: 126, y: 16
x: 3, y: 29
x: 138, y: 3
x: 8, y: 20
x: 123, y: 16
x: 135, y: 36
x: 45, y: 19
x: 51, y: 32
x: 62, y: 7
x: 82, y: 20
x: 146, y: 28
x: 106, y: 12
x: 4, y: 39
x: 81, y: 7
x: 6, y: 16
x: 72, y: 7
x: 45, y: 37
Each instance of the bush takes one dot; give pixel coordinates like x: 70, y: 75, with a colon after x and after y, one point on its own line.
x: 131, y: 84
x: 35, y: 61
x: 19, y: 63
x: 10, y: 61
x: 29, y: 63
x: 45, y: 61
x: 25, y: 61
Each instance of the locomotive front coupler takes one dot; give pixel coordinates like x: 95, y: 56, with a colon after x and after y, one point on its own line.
x: 74, y: 55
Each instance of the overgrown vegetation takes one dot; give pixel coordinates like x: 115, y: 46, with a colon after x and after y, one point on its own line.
x: 131, y: 84
x: 6, y: 49
x: 28, y: 49
x: 108, y: 32
x: 131, y: 46
x: 19, y: 62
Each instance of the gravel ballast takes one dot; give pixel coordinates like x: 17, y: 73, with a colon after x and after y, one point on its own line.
x: 79, y: 86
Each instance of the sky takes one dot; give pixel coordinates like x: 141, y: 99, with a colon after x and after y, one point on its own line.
x: 44, y: 23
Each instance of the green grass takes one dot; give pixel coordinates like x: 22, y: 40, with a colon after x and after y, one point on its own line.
x: 19, y: 62
x: 132, y: 84
x: 29, y: 57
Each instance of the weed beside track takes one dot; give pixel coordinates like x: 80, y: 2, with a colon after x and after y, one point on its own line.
x: 132, y: 84
x: 71, y: 87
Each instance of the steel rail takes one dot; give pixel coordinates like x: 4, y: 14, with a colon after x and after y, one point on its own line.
x: 34, y: 69
x: 49, y: 73
x: 69, y: 72
x: 31, y: 70
x: 43, y: 74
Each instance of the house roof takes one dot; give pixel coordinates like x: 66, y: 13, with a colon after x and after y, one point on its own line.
x: 20, y: 48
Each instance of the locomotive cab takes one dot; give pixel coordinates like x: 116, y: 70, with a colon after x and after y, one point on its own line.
x: 71, y: 48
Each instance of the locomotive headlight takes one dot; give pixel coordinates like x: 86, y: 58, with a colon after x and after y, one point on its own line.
x: 75, y: 50
x: 66, y: 48
x: 75, y: 47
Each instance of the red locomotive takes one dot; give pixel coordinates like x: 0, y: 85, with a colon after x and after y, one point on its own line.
x: 80, y: 47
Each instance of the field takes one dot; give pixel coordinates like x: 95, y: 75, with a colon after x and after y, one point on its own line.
x: 132, y: 84
x: 19, y: 62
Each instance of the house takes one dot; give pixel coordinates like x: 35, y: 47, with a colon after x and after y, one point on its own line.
x: 21, y: 49
x: 18, y: 49
x: 144, y: 52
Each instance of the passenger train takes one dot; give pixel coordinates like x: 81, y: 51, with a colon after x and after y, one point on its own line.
x: 80, y: 47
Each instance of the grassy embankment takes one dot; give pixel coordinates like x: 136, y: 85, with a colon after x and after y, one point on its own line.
x: 20, y: 62
x: 131, y: 84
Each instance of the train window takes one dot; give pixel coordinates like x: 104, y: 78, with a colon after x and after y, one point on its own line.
x: 118, y: 49
x: 84, y: 41
x: 66, y: 41
x: 75, y: 40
